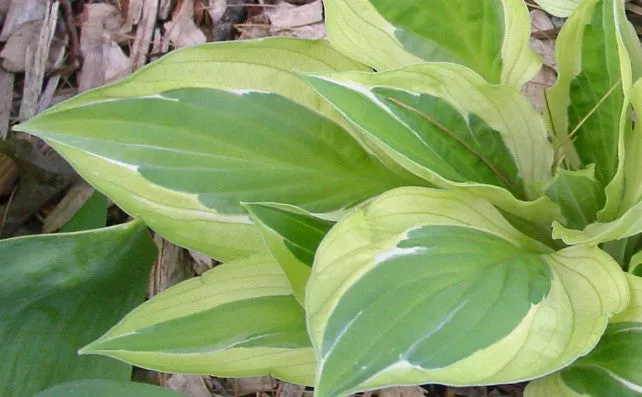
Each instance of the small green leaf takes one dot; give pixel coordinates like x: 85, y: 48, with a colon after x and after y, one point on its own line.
x: 614, y: 365
x: 579, y: 195
x: 107, y: 388
x: 60, y: 291
x: 292, y: 235
x: 401, y: 288
x: 629, y: 224
x: 447, y: 125
x: 559, y: 8
x: 92, y: 215
x: 238, y: 319
x: 489, y: 37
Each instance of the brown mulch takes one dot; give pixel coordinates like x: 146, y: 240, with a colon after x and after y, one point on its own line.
x: 53, y: 50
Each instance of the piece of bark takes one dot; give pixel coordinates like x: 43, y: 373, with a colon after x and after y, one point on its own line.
x: 75, y: 198
x: 413, y: 391
x: 52, y: 83
x: 144, y: 33
x: 6, y: 99
x: 103, y: 59
x: 235, y: 13
x: 216, y: 9
x: 164, y: 7
x: 251, y: 385
x: 21, y: 12
x: 192, y: 385
x: 288, y: 16
x: 4, y: 7
x: 36, y: 57
x: 202, y: 262
x: 134, y: 11
x: 181, y: 31
x: 171, y: 267
x: 290, y: 390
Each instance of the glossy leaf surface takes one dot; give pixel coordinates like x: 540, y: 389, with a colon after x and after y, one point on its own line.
x: 293, y: 236
x: 60, y: 291
x: 489, y: 37
x: 614, y: 365
x: 401, y: 288
x: 238, y: 319
x: 107, y: 388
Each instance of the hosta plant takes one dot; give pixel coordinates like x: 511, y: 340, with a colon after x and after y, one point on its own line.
x: 390, y: 209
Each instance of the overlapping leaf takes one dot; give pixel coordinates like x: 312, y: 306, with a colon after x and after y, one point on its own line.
x: 579, y: 195
x: 158, y: 156
x: 60, y: 291
x: 489, y: 37
x: 238, y: 319
x: 615, y: 365
x: 589, y: 104
x: 292, y: 235
x: 424, y: 286
x: 448, y: 126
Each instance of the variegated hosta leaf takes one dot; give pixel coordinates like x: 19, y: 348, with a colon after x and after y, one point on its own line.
x: 187, y: 158
x: 613, y: 368
x: 489, y: 37
x: 579, y: 195
x: 265, y: 65
x: 590, y: 98
x: 447, y: 125
x: 292, y: 235
x: 559, y: 8
x: 627, y: 225
x: 423, y: 286
x: 238, y: 319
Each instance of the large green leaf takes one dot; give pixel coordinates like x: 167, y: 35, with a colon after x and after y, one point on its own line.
x: 447, y: 125
x: 238, y: 319
x: 579, y: 195
x: 614, y: 365
x: 59, y: 292
x: 490, y: 37
x: 237, y: 67
x: 590, y: 98
x: 292, y: 235
x: 213, y: 149
x: 107, y: 388
x: 424, y: 286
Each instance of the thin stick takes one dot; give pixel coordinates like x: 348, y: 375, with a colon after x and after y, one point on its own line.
x: 589, y: 114
x: 6, y: 210
x: 437, y: 124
